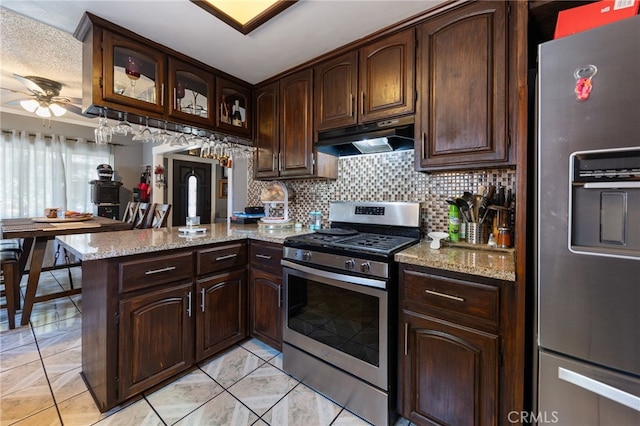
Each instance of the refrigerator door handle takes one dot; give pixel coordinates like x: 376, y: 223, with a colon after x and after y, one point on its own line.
x: 611, y: 185
x: 604, y: 390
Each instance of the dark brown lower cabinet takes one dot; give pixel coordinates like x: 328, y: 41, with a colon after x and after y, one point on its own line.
x: 456, y: 348
x: 266, y: 307
x: 156, y: 337
x: 450, y: 373
x: 221, y: 313
x: 265, y: 293
x: 146, y: 318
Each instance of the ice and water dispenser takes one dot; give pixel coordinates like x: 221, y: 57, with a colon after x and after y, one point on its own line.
x: 604, y: 208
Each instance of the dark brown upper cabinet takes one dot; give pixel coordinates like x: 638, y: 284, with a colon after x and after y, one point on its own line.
x: 284, y: 131
x: 234, y: 108
x: 191, y: 93
x: 462, y: 81
x: 372, y: 83
x: 267, y: 131
x: 123, y: 71
x: 133, y: 74
x: 296, y: 124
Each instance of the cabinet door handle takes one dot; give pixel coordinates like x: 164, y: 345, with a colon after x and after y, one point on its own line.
x: 202, y: 300
x: 406, y: 338
x: 189, y: 304
x: 162, y: 94
x: 362, y: 103
x: 350, y: 104
x: 263, y: 256
x: 175, y: 98
x: 280, y: 162
x: 424, y: 146
x: 229, y: 256
x: 157, y: 271
x: 279, y: 296
x: 274, y: 164
x: 448, y: 296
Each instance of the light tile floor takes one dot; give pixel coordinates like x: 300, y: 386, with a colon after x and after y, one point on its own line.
x: 40, y: 382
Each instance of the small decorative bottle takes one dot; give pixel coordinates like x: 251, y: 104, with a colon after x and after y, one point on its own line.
x: 454, y: 223
x: 236, y: 117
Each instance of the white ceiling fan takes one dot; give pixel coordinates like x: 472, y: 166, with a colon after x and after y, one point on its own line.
x: 44, y: 97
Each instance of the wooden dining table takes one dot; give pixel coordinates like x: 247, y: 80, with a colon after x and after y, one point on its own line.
x: 35, y: 232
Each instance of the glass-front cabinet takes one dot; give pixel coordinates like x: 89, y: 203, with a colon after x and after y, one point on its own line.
x: 133, y: 74
x: 234, y: 108
x: 191, y: 93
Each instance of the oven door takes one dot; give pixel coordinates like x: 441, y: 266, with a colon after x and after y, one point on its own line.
x: 339, y: 319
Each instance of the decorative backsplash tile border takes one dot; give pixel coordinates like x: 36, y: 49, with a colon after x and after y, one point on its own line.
x: 385, y: 177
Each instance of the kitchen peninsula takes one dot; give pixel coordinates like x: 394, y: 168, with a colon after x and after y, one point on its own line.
x: 156, y: 302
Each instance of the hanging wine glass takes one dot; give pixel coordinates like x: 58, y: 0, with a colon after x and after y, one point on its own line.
x: 205, y: 149
x: 97, y: 132
x: 132, y: 70
x: 163, y: 136
x: 103, y: 133
x: 144, y: 134
x: 223, y: 152
x: 123, y: 127
x: 195, y: 138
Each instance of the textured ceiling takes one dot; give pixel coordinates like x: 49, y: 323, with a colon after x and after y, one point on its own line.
x: 40, y: 42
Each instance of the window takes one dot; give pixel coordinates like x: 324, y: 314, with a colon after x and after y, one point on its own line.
x: 37, y: 172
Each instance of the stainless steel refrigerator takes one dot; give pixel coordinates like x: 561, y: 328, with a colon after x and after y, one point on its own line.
x: 588, y: 227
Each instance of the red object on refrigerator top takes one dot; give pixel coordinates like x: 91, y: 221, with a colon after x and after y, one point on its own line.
x: 593, y: 15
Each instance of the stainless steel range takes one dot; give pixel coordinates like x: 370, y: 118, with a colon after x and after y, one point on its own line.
x: 340, y: 328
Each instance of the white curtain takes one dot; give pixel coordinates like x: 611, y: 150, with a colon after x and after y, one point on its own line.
x: 37, y: 172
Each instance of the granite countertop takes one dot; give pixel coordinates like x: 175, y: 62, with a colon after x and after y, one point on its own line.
x: 465, y: 258
x: 103, y: 245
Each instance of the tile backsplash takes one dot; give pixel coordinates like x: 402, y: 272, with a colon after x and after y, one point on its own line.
x: 384, y: 177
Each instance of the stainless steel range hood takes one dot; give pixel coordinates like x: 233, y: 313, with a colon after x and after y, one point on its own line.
x: 381, y: 136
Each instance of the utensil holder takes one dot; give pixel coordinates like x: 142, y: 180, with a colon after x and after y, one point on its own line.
x: 477, y: 233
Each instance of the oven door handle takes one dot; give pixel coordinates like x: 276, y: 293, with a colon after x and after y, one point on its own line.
x: 335, y: 276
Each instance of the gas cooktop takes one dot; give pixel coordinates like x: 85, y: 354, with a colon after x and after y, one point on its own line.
x: 376, y: 228
x: 360, y: 242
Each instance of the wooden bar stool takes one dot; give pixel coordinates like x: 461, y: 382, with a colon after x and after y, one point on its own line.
x: 10, y: 256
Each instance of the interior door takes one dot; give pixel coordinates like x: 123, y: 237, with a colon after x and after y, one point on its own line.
x: 195, y: 178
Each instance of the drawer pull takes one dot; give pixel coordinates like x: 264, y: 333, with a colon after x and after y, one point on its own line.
x: 189, y: 304
x: 229, y: 256
x: 263, y: 256
x: 448, y: 296
x: 157, y: 271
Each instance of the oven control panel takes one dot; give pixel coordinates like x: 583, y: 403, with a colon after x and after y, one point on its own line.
x: 370, y: 210
x: 348, y: 264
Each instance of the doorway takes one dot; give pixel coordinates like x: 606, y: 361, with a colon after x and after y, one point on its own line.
x: 191, y: 191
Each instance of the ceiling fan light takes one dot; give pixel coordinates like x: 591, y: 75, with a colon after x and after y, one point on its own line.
x: 57, y: 110
x: 30, y: 105
x: 43, y: 112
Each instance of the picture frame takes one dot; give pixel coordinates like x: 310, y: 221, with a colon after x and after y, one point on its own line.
x: 223, y: 188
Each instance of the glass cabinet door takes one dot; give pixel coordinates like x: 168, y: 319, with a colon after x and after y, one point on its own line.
x: 133, y: 74
x: 234, y: 108
x: 190, y: 93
